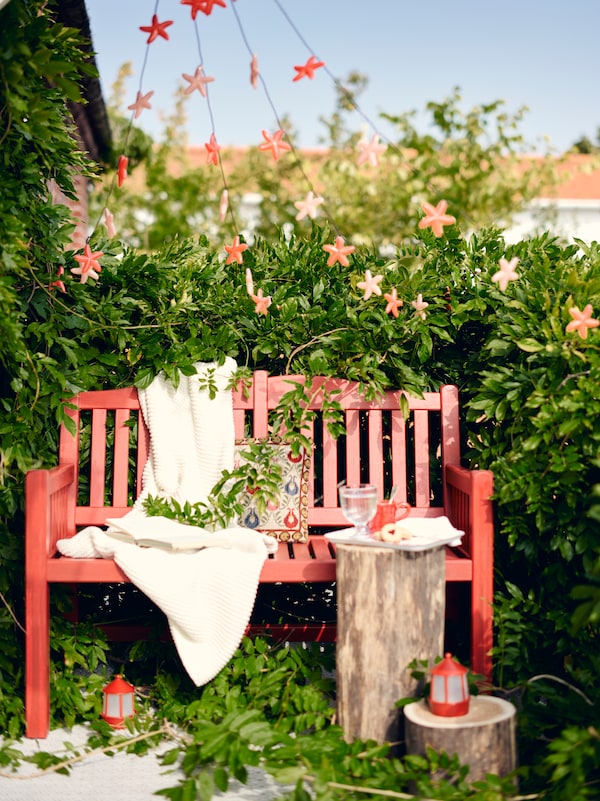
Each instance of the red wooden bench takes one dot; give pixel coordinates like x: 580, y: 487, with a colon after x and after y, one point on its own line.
x: 420, y: 454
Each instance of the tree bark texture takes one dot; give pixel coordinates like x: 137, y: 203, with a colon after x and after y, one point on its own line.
x: 390, y: 612
x: 484, y: 738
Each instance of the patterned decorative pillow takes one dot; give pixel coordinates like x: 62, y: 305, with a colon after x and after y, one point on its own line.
x: 286, y: 520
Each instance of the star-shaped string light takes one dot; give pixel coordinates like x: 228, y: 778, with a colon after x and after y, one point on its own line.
x: 274, y: 143
x: 370, y: 151
x: 197, y: 81
x: 254, y: 71
x: 88, y: 264
x: 419, y: 305
x: 109, y: 224
x: 308, y: 70
x: 261, y: 302
x: 582, y: 320
x: 141, y: 102
x: 308, y: 207
x: 370, y: 285
x: 156, y: 29
x: 205, y: 6
x: 249, y: 282
x: 393, y: 302
x: 235, y: 251
x: 338, y: 252
x: 506, y: 273
x: 436, y: 217
x: 223, y: 205
x: 122, y: 170
x: 58, y: 283
x: 212, y: 150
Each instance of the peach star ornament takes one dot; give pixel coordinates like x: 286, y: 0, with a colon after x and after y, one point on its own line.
x: 235, y: 251
x: 141, y: 102
x: 436, y: 217
x: 308, y: 207
x: 274, y: 143
x: 88, y: 264
x: 582, y: 320
x: 370, y: 151
x: 254, y: 72
x: 212, y: 150
x: 261, y: 303
x: 506, y: 273
x: 197, y: 81
x: 109, y: 224
x: 338, y: 252
x: 122, y: 170
x: 370, y: 285
x: 156, y: 29
x: 249, y: 282
x: 393, y: 302
x: 58, y: 283
x: 419, y: 305
x: 308, y: 70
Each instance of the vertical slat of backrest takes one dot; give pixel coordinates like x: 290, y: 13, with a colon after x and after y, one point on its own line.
x: 69, y: 454
x: 375, y: 449
x: 121, y: 458
x: 98, y: 457
x: 260, y: 404
x: 352, y: 447
x: 330, y: 470
x: 398, y: 450
x: 309, y: 432
x: 143, y: 447
x: 450, y: 431
x: 421, y: 451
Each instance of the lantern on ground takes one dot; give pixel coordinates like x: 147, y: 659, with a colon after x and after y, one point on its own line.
x: 449, y: 690
x: 118, y: 702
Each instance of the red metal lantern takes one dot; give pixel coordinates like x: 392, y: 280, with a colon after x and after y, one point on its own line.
x: 449, y: 691
x: 118, y: 702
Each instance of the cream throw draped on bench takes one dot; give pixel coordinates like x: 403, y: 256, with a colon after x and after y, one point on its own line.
x: 207, y: 595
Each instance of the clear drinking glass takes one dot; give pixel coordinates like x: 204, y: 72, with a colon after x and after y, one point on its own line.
x: 359, y: 505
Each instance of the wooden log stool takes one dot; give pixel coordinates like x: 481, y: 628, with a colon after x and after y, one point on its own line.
x: 390, y: 612
x: 484, y: 738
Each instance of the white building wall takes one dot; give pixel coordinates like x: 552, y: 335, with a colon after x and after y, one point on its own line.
x: 567, y: 218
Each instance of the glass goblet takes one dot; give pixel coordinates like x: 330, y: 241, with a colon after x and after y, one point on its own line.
x: 359, y: 505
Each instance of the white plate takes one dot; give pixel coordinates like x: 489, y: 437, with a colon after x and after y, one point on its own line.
x: 428, y: 532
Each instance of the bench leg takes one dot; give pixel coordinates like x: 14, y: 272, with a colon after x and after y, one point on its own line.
x: 37, y: 661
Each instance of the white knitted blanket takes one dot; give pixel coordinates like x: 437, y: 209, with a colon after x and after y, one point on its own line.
x: 207, y: 595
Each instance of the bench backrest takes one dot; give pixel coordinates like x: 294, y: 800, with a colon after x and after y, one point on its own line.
x: 380, y: 446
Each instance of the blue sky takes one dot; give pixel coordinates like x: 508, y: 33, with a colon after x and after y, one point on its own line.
x: 542, y: 54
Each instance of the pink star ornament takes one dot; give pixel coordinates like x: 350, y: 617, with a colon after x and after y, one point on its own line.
x: 436, y: 217
x: 582, y: 320
x: 274, y: 143
x: 506, y: 273
x: 254, y: 72
x: 141, y: 102
x: 308, y: 207
x: 370, y: 151
x: 370, y: 285
x: 419, y: 305
x: 261, y: 303
x: 338, y: 252
x: 197, y: 81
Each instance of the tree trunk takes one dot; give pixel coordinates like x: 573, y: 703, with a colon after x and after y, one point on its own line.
x: 484, y: 738
x: 390, y: 612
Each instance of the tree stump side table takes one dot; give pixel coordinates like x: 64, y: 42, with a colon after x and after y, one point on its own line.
x: 390, y: 612
x: 484, y: 738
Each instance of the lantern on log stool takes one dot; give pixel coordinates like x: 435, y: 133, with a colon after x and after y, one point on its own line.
x: 449, y: 691
x: 118, y: 702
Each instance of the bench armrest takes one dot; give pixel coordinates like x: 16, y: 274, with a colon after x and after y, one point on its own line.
x: 468, y: 505
x: 49, y: 510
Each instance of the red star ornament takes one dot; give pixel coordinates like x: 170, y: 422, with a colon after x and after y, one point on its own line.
x: 212, y: 150
x: 339, y: 252
x: 308, y: 70
x: 235, y: 251
x: 205, y: 6
x: 59, y: 284
x: 122, y: 170
x: 156, y: 29
x: 274, y: 143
